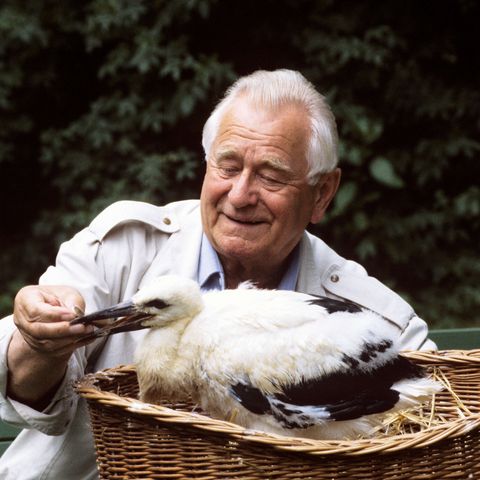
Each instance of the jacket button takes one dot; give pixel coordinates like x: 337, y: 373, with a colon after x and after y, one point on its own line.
x: 167, y: 221
x: 334, y: 278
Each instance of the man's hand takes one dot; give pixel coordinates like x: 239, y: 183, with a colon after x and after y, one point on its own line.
x: 42, y: 315
x: 39, y: 351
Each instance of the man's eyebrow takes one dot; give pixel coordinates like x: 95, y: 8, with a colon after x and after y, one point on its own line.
x: 270, y: 161
x: 277, y: 164
x: 226, y: 153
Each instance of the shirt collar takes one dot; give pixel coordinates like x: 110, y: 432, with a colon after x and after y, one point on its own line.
x: 210, y: 275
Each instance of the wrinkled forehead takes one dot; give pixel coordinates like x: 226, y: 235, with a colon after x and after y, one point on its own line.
x: 285, y: 127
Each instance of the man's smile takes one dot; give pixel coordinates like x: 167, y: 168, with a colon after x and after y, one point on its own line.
x: 243, y: 220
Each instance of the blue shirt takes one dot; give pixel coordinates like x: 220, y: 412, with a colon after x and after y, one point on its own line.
x: 211, y: 276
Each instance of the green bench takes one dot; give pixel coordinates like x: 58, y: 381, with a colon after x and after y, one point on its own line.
x: 447, y: 339
x: 456, y: 338
x: 7, y: 434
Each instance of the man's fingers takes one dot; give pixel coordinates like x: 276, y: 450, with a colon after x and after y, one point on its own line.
x: 58, y: 329
x: 42, y: 315
x: 68, y: 299
x: 55, y: 338
x: 42, y: 303
x: 72, y: 300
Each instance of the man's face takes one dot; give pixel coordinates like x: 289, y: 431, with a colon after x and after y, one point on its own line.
x: 255, y: 199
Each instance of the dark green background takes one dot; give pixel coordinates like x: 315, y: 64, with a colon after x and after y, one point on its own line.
x: 104, y: 100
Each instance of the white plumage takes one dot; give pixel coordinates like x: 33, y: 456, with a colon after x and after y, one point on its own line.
x: 276, y: 361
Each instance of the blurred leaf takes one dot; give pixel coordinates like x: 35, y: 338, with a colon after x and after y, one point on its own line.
x: 344, y: 197
x: 382, y: 171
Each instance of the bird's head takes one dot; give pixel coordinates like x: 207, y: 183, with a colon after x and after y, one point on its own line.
x: 166, y: 299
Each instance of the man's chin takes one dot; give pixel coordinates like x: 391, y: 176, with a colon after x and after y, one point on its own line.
x: 238, y: 249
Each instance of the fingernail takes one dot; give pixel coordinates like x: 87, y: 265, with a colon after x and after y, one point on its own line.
x: 78, y: 311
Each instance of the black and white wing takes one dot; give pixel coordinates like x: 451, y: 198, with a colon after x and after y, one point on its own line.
x: 340, y: 396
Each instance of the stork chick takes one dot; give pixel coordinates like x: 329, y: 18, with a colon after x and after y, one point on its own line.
x: 278, y: 361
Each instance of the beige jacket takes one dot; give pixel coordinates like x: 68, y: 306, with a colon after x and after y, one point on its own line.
x: 123, y: 248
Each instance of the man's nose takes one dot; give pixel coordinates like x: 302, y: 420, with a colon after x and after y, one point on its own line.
x: 244, y: 190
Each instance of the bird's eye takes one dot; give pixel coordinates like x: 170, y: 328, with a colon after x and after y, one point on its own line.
x: 156, y: 303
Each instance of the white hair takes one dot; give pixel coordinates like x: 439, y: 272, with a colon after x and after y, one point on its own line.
x: 273, y: 89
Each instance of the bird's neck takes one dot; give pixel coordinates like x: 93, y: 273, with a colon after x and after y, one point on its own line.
x: 165, y: 367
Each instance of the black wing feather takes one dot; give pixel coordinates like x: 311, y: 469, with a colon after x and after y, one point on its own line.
x: 342, y: 395
x: 251, y: 398
x: 365, y: 403
x: 332, y: 305
x: 349, y: 384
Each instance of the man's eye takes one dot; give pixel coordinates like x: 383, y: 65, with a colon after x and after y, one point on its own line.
x: 270, y: 181
x: 228, y: 171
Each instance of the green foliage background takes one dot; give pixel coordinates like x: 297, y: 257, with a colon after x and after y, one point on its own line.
x: 105, y: 99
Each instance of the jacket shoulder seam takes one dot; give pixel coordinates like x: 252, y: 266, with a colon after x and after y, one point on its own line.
x: 128, y: 211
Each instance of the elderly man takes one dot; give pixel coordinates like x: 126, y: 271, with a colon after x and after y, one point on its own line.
x: 270, y: 148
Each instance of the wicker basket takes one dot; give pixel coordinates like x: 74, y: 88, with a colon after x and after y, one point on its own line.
x: 136, y: 440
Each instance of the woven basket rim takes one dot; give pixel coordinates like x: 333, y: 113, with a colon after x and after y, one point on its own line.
x: 428, y: 436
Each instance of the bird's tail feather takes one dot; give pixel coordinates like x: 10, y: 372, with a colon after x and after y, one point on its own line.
x: 415, y: 391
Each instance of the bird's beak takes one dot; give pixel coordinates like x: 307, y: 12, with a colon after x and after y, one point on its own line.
x: 123, y: 309
x: 123, y: 317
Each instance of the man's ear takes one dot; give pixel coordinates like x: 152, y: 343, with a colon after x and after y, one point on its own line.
x: 325, y: 190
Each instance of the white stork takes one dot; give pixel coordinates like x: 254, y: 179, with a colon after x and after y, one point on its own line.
x: 275, y: 361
